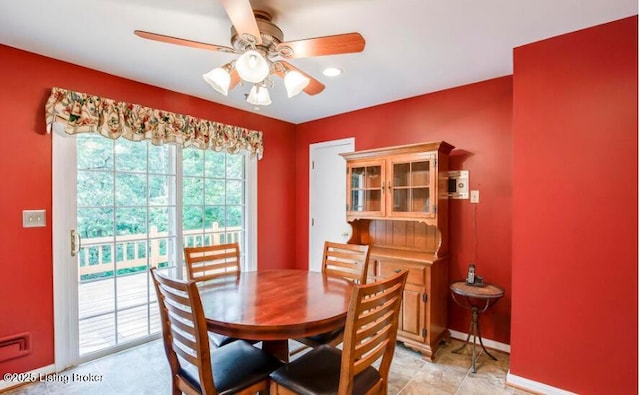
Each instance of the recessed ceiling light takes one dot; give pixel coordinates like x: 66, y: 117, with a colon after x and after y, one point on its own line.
x: 332, y: 71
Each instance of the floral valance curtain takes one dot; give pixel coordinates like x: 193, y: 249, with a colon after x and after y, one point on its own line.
x: 80, y: 113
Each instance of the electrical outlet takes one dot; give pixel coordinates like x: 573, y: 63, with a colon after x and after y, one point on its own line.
x: 475, y: 196
x: 34, y: 218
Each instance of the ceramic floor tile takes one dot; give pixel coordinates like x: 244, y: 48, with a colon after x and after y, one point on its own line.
x: 483, y: 384
x: 435, y: 378
x: 144, y: 370
x: 405, y: 365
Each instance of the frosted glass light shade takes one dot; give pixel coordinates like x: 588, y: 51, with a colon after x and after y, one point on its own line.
x: 295, y: 82
x: 259, y: 96
x: 252, y: 66
x: 219, y: 79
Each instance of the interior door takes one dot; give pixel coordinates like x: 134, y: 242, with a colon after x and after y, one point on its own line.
x: 327, y: 197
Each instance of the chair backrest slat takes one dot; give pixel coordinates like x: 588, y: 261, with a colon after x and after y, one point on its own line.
x: 186, y: 356
x: 205, y: 263
x: 371, y: 329
x: 349, y: 261
x: 184, y: 330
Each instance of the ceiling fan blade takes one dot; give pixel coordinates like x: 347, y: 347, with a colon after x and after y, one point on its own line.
x: 321, y: 46
x: 313, y: 88
x: 182, y: 41
x: 235, y: 78
x: 241, y: 15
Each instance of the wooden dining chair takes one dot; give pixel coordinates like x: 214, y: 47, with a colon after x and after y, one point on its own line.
x: 347, y: 261
x: 369, y: 336
x: 238, y: 368
x: 208, y: 262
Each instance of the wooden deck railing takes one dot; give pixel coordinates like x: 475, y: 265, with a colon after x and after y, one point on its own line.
x: 131, y: 252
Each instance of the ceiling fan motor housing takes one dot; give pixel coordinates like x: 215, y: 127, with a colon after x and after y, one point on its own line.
x: 270, y: 34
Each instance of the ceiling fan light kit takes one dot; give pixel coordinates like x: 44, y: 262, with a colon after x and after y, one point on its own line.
x: 259, y: 42
x: 219, y: 79
x: 252, y: 66
x: 259, y: 95
x: 294, y: 83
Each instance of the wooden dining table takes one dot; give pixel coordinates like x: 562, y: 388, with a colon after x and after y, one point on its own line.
x: 274, y: 306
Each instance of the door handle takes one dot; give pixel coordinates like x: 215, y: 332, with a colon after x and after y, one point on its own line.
x: 76, y: 242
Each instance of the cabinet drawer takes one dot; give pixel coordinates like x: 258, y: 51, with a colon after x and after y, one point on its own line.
x: 415, y: 276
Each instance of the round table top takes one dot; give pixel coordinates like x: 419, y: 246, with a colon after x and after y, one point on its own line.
x: 486, y: 291
x: 275, y: 304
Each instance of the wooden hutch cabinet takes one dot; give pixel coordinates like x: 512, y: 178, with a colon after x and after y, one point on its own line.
x: 397, y: 204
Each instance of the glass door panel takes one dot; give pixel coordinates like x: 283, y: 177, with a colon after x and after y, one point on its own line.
x: 401, y: 175
x: 372, y: 200
x: 420, y: 174
x: 214, y: 199
x: 125, y: 201
x: 420, y: 200
x: 411, y: 187
x: 366, y: 189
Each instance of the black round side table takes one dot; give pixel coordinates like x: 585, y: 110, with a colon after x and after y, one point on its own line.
x: 477, y: 299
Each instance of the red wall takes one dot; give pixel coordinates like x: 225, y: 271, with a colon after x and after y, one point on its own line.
x: 26, y: 288
x: 476, y: 119
x: 575, y: 211
x: 563, y: 243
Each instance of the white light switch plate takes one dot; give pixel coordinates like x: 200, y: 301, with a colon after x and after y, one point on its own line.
x: 34, y: 218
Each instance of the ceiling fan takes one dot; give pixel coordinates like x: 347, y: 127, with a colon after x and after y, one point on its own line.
x: 262, y: 49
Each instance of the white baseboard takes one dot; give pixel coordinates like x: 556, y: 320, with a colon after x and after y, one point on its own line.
x: 487, y: 342
x: 534, y: 386
x: 27, y: 377
x: 513, y: 380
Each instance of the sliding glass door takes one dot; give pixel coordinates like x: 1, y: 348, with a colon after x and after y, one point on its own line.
x: 136, y: 206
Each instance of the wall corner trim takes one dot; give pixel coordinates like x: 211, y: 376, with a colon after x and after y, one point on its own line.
x: 533, y: 386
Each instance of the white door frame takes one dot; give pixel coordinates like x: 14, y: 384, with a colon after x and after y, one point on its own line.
x: 65, y: 268
x: 349, y: 144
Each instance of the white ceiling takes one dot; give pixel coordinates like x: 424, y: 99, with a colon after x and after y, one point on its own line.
x: 413, y: 47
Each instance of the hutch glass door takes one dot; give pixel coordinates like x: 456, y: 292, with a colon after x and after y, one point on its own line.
x: 411, y: 187
x: 366, y: 189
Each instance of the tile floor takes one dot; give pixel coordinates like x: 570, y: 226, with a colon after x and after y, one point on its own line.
x: 144, y: 370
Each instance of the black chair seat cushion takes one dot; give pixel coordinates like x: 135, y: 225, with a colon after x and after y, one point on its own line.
x: 220, y: 340
x: 325, y: 337
x: 235, y: 366
x: 318, y: 372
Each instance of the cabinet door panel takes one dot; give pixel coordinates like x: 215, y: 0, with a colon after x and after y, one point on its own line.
x: 365, y: 187
x: 412, y: 318
x: 412, y: 186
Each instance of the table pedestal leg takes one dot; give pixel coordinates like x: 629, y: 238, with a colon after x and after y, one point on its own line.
x: 474, y: 330
x: 277, y: 348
